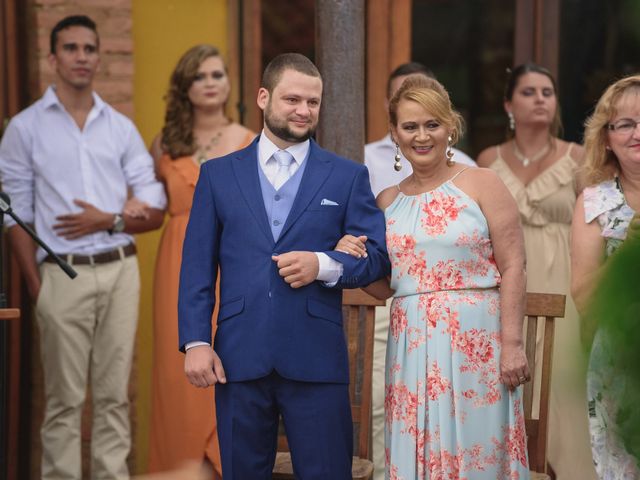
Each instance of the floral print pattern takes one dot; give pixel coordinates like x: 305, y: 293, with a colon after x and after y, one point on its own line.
x: 447, y: 416
x: 606, y: 203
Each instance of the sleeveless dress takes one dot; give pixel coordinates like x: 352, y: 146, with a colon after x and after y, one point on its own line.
x: 606, y: 203
x: 546, y: 210
x: 447, y: 416
x: 183, y: 417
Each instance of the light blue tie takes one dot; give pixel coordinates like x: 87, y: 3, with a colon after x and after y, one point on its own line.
x: 284, y: 160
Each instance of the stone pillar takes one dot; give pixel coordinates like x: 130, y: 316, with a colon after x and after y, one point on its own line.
x: 340, y: 56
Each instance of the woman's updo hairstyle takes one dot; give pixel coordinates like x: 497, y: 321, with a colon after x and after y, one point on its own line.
x: 433, y: 97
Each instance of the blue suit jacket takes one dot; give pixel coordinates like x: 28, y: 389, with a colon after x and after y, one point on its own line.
x: 263, y: 323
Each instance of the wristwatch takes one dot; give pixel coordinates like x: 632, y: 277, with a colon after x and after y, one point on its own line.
x: 118, y: 224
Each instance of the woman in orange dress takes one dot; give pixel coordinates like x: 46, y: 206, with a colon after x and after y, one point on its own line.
x: 183, y: 421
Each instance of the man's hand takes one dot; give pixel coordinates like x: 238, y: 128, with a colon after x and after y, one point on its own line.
x: 76, y: 225
x: 298, y: 268
x: 203, y: 367
x: 33, y: 287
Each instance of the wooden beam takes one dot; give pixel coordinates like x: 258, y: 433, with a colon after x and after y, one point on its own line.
x: 523, y: 50
x: 388, y: 45
x: 549, y: 32
x: 400, y: 27
x: 378, y: 67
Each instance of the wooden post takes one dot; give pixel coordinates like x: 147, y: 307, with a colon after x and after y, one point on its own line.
x: 388, y: 45
x: 340, y: 57
x: 537, y: 33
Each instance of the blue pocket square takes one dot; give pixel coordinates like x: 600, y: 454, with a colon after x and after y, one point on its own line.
x: 326, y: 201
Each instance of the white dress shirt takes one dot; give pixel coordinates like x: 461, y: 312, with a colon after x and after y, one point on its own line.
x: 46, y: 162
x: 379, y: 159
x: 329, y: 270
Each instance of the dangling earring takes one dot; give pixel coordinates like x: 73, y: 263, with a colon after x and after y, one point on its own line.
x: 397, y: 166
x: 449, y: 153
x: 512, y: 121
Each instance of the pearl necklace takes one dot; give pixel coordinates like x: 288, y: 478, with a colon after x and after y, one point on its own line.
x: 526, y: 161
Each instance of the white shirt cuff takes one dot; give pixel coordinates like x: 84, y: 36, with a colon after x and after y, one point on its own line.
x: 329, y: 271
x: 197, y: 343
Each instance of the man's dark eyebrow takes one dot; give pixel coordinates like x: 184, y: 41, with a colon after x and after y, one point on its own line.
x: 77, y: 45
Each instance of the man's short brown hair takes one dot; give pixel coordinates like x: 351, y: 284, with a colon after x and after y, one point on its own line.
x: 287, y: 61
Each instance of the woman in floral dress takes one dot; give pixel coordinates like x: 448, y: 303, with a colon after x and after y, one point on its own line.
x: 604, y: 215
x: 455, y: 356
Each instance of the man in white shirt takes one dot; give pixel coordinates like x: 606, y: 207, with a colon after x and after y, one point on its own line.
x: 68, y: 162
x: 379, y: 158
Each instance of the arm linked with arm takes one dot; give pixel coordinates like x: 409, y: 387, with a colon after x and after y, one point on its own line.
x: 363, y: 217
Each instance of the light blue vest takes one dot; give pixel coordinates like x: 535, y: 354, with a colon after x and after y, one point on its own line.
x: 278, y: 203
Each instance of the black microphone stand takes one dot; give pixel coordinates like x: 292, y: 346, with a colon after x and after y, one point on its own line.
x: 5, y: 208
x: 3, y: 366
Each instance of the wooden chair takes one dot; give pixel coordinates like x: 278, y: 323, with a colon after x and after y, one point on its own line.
x: 545, y: 307
x: 358, y: 311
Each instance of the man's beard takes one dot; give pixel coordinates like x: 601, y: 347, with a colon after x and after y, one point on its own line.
x: 282, y: 130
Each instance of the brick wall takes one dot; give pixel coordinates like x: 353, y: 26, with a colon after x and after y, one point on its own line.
x: 114, y: 81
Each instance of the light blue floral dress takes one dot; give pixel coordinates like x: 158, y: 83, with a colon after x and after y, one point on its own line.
x: 606, y: 203
x: 447, y: 415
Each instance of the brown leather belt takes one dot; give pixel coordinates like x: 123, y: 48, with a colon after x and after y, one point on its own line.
x: 104, y: 257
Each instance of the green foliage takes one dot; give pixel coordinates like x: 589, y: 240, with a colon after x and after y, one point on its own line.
x: 617, y: 308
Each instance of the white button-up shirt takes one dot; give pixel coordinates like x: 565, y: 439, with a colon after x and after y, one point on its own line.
x: 330, y: 270
x: 46, y: 162
x: 379, y: 159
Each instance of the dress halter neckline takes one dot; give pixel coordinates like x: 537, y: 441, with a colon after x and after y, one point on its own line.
x: 435, y: 188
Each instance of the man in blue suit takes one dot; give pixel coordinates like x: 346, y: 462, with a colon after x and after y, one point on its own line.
x: 268, y: 217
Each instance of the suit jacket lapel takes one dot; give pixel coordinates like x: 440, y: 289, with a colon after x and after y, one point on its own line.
x: 245, y: 167
x: 315, y: 174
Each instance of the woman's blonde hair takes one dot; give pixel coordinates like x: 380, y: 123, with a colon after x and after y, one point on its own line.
x: 600, y: 162
x: 430, y: 94
x: 177, y: 133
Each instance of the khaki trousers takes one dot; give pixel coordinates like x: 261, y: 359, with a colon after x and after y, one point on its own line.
x: 377, y: 389
x: 87, y: 332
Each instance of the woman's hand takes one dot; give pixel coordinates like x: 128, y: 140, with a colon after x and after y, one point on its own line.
x: 514, y: 369
x: 354, y: 246
x: 136, y: 208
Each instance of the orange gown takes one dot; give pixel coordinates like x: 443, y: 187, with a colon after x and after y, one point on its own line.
x: 183, y: 417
